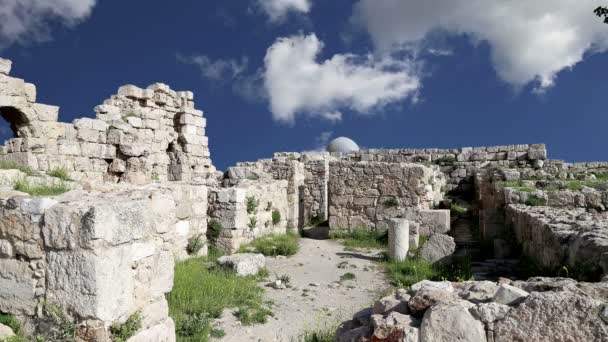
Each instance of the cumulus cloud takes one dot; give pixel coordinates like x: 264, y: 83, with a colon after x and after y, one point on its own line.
x: 277, y: 10
x: 530, y: 41
x: 216, y: 70
x: 296, y: 83
x: 25, y: 20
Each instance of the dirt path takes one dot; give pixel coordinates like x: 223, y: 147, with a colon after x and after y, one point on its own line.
x: 317, y: 297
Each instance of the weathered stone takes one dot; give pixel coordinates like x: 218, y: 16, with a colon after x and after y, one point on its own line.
x: 389, y: 304
x: 5, y: 66
x: 398, y: 239
x: 397, y: 327
x: 243, y: 264
x: 427, y: 297
x: 4, y: 330
x: 490, y: 312
x: 447, y: 322
x: 441, y: 285
x: 509, y: 295
x: 438, y: 248
x: 553, y: 316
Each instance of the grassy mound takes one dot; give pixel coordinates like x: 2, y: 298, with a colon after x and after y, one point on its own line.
x: 273, y: 245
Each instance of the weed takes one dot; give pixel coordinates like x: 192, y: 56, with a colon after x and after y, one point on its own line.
x: 285, y: 279
x: 11, y: 322
x: 445, y: 161
x: 200, y: 294
x: 347, y: 276
x: 361, y: 238
x: 61, y: 173
x: 195, y: 244
x: 410, y: 271
x: 63, y: 328
x: 391, y: 202
x: 458, y: 210
x: 252, y: 205
x: 276, y: 217
x: 250, y: 315
x: 273, y: 245
x: 13, y: 165
x: 253, y: 221
x: 536, y: 202
x: 123, y: 332
x: 54, y: 189
x: 214, y: 230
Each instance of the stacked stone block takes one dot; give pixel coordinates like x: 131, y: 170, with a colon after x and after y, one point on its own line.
x: 99, y: 256
x: 137, y: 136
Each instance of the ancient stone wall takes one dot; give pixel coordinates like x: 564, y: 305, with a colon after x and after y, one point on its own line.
x: 138, y: 135
x: 459, y: 164
x: 99, y: 255
x: 557, y: 237
x: 366, y: 194
x: 314, y: 194
x: 245, y: 211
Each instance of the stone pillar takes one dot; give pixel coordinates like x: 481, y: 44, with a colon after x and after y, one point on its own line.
x: 398, y: 238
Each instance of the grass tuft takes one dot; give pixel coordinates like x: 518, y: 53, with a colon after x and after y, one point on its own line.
x: 13, y: 165
x: 276, y: 217
x: 361, y: 238
x: 123, y: 332
x: 195, y: 244
x: 410, y: 271
x: 273, y: 245
x: 200, y: 294
x: 53, y: 189
x: 61, y: 173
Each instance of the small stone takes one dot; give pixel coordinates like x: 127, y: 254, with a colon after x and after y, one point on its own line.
x: 490, y: 312
x: 5, y: 331
x: 438, y: 248
x: 243, y: 264
x: 509, y: 295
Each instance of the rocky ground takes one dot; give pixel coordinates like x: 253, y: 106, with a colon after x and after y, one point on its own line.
x: 316, y: 296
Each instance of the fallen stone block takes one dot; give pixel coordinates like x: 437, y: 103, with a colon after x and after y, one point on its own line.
x: 438, y: 248
x: 243, y: 264
x: 509, y: 295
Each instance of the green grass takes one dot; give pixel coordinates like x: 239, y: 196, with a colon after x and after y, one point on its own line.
x: 53, y: 189
x: 273, y: 245
x: 252, y: 205
x: 458, y: 210
x: 12, y: 165
x: 214, y: 230
x: 195, y: 244
x: 391, y: 202
x: 410, y: 271
x: 11, y: 322
x: 276, y: 217
x: 347, y: 276
x: 361, y: 238
x: 61, y: 173
x: 536, y: 202
x: 319, y: 335
x: 123, y: 332
x: 200, y: 294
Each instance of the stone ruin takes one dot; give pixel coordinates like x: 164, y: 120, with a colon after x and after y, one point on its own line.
x: 143, y: 187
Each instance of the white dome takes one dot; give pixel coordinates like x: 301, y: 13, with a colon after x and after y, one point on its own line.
x: 342, y: 145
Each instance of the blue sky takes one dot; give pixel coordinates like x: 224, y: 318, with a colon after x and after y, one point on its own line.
x: 286, y: 75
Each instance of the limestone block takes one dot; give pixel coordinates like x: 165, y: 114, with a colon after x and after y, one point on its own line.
x: 87, y: 134
x: 135, y: 121
x: 434, y: 222
x: 509, y: 295
x: 46, y: 112
x: 5, y: 66
x: 5, y: 332
x: 118, y: 165
x: 95, y: 284
x: 153, y: 276
x: 243, y: 264
x: 189, y: 119
x: 62, y: 224
x: 451, y: 322
x: 193, y: 139
x: 398, y: 239
x: 18, y: 284
x: 438, y: 248
x: 164, y: 332
x: 130, y: 91
x: 69, y: 148
x: 133, y: 150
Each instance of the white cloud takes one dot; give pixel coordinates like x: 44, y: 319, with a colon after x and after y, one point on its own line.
x: 531, y: 41
x: 277, y: 10
x: 25, y: 20
x: 297, y: 83
x: 216, y: 70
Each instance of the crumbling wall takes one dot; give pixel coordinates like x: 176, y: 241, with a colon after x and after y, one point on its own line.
x: 137, y: 136
x: 366, y: 194
x: 245, y: 211
x: 460, y: 164
x: 99, y: 255
x: 558, y: 237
